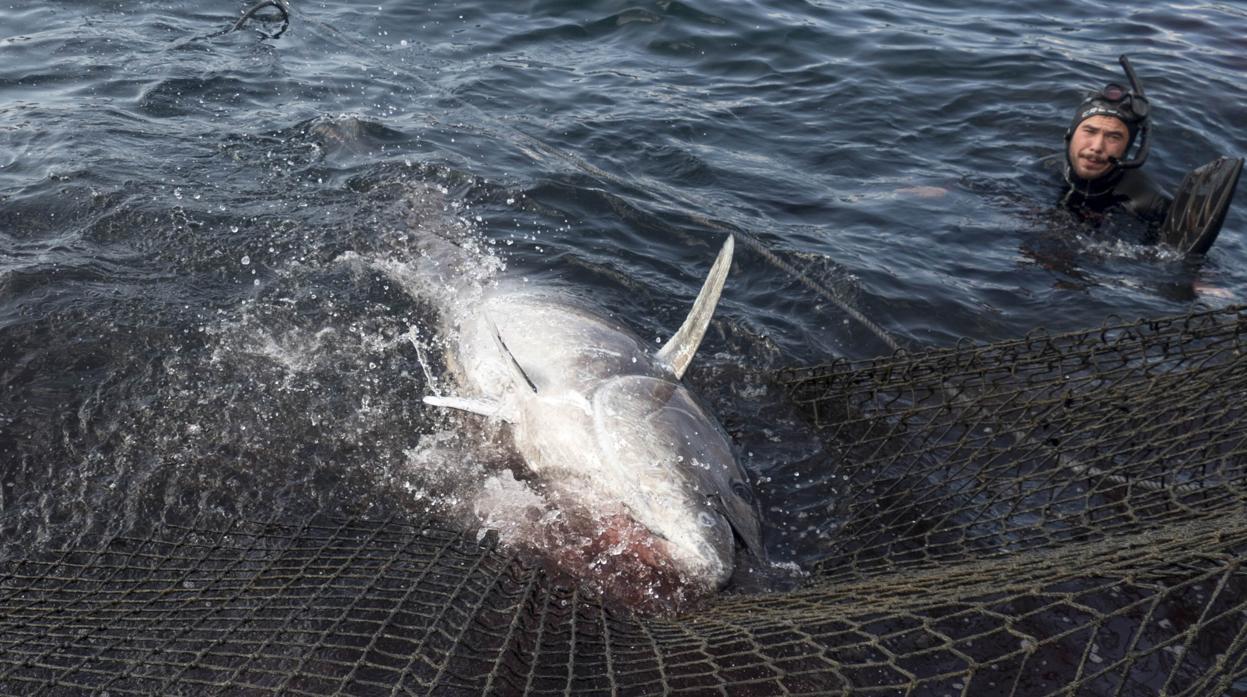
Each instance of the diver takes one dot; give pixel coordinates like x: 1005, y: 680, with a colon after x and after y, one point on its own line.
x: 1108, y: 124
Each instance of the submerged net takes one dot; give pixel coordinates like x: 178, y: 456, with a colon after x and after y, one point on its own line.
x: 1059, y: 515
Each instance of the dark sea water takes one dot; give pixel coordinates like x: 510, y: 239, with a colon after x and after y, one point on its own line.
x: 209, y: 241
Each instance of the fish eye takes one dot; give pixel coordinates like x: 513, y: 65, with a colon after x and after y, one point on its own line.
x: 742, y: 490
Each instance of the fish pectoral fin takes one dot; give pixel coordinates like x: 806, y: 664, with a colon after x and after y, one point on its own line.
x: 484, y: 407
x: 743, y: 519
x: 678, y: 352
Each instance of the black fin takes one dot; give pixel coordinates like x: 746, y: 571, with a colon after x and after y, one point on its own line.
x: 518, y: 375
x: 1199, y: 207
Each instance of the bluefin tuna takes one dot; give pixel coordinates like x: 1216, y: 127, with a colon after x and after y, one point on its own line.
x: 595, y: 413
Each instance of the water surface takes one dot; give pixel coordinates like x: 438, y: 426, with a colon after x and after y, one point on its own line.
x: 207, y: 239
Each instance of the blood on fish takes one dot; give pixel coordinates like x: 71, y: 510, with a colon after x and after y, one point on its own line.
x: 615, y: 557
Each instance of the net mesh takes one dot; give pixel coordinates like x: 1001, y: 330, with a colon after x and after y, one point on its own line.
x: 1058, y: 515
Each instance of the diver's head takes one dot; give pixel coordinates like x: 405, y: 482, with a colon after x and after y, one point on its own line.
x: 1096, y: 144
x: 1106, y: 125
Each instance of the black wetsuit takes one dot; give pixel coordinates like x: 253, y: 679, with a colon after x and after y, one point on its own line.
x: 1130, y: 189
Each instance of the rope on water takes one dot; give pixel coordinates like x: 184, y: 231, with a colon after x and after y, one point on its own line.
x: 282, y: 6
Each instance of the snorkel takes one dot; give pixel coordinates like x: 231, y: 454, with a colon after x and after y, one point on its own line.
x: 1136, y: 103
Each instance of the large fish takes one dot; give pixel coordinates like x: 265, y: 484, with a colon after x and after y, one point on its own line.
x: 598, y: 416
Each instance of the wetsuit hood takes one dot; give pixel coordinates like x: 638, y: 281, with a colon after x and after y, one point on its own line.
x: 1095, y: 105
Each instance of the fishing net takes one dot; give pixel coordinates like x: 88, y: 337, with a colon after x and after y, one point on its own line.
x: 1057, y: 515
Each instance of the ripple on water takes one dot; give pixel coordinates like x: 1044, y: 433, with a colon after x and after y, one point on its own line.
x: 880, y: 156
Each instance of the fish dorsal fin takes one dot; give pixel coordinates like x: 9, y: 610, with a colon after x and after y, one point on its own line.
x: 518, y: 376
x: 484, y: 407
x: 678, y: 352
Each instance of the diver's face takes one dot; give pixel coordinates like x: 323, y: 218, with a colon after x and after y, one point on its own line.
x: 1095, y: 141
